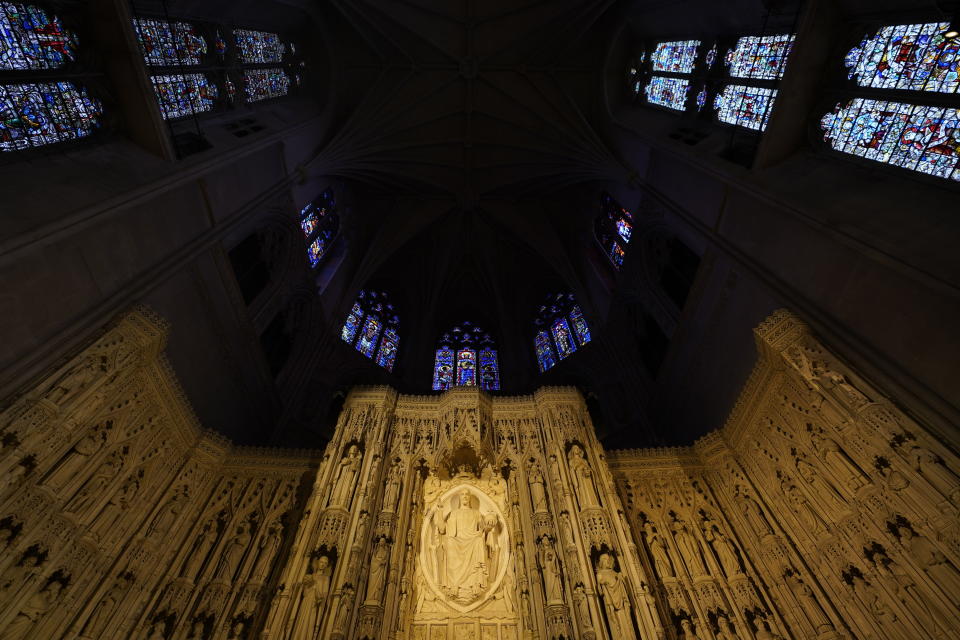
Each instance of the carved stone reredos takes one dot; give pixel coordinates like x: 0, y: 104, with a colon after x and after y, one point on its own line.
x: 466, y: 435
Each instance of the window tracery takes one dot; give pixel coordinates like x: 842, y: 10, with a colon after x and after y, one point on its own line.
x: 560, y: 329
x: 912, y: 135
x: 466, y: 357
x: 372, y: 327
x: 613, y: 229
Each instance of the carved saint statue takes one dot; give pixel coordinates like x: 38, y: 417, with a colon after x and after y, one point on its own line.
x: 550, y: 568
x: 168, y: 514
x: 392, y: 490
x: 308, y: 611
x: 658, y: 549
x: 808, y: 602
x: 931, y: 467
x: 838, y: 461
x: 932, y: 561
x: 268, y: 545
x: 613, y: 588
x: 378, y: 570
x: 752, y: 513
x: 343, y: 614
x: 582, y: 606
x: 101, y: 615
x: 538, y: 493
x: 32, y: 611
x: 689, y: 548
x: 461, y: 556
x: 686, y: 630
x: 16, y: 576
x: 201, y: 548
x: 233, y: 552
x: 345, y: 485
x: 77, y: 378
x: 725, y: 549
x: 93, y: 490
x: 800, y: 506
x: 582, y: 478
x: 76, y: 459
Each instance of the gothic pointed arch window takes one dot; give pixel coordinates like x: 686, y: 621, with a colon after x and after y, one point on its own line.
x: 560, y: 329
x: 38, y: 104
x: 907, y: 111
x: 320, y: 225
x: 466, y: 357
x: 372, y: 328
x: 754, y: 66
x: 613, y: 229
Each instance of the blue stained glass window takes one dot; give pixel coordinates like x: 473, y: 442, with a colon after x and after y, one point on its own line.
x: 915, y: 57
x: 183, y: 95
x: 563, y: 337
x: 701, y: 98
x: 668, y: 92
x: 489, y: 370
x: 760, y: 57
x: 466, y: 356
x: 675, y: 57
x: 544, y: 349
x: 263, y: 84
x: 616, y: 255
x: 466, y: 368
x: 614, y: 228
x: 320, y: 225
x: 387, y: 353
x: 443, y: 369
x: 624, y: 228
x: 354, y: 318
x: 258, y: 47
x: 367, y: 341
x: 37, y: 114
x: 580, y: 326
x: 31, y: 38
x: 560, y: 328
x: 372, y: 328
x: 166, y: 43
x: 745, y: 106
x: 922, y: 138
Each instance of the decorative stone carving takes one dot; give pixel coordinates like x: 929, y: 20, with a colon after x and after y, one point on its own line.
x: 808, y: 602
x: 550, y: 569
x: 689, y: 547
x: 345, y: 483
x: 32, y: 611
x: 932, y: 468
x: 658, y: 550
x: 108, y: 603
x: 538, y: 492
x: 267, y: 549
x: 378, y: 570
x: 614, y: 592
x: 582, y: 477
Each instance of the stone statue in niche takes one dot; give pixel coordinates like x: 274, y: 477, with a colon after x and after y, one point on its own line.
x: 752, y: 513
x: 582, y: 478
x: 931, y: 467
x: 93, y: 490
x: 233, y: 553
x: 800, y: 506
x: 686, y: 630
x: 392, y: 491
x: 268, y: 545
x: 724, y: 548
x: 201, y: 549
x: 105, y: 608
x: 20, y: 573
x: 875, y: 603
x: 343, y: 613
x: 837, y: 460
x: 538, y: 493
x: 345, y: 484
x: 378, y: 570
x: 932, y: 561
x: 689, y: 547
x: 808, y: 602
x: 658, y: 550
x: 613, y: 588
x: 464, y: 547
x: 550, y: 569
x: 77, y: 459
x: 35, y: 608
x: 927, y: 610
x: 169, y: 513
x: 582, y: 606
x: 120, y: 502
x: 307, y: 613
x: 76, y: 379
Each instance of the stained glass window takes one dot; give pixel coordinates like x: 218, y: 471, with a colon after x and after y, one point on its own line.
x: 760, y: 57
x: 675, y: 57
x: 918, y: 137
x: 31, y: 38
x: 668, y: 92
x: 559, y: 330
x: 461, y: 352
x: 169, y: 43
x: 182, y: 95
x: 701, y: 98
x: 262, y: 84
x: 745, y: 106
x: 320, y: 225
x: 372, y: 328
x: 37, y: 114
x: 711, y: 57
x: 613, y: 229
x: 258, y: 47
x: 915, y: 57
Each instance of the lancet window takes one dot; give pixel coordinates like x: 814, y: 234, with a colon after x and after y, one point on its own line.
x: 320, y: 224
x: 614, y: 228
x: 755, y: 64
x: 43, y: 107
x: 902, y: 124
x: 560, y: 329
x: 372, y: 328
x: 196, y: 70
x: 466, y: 357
